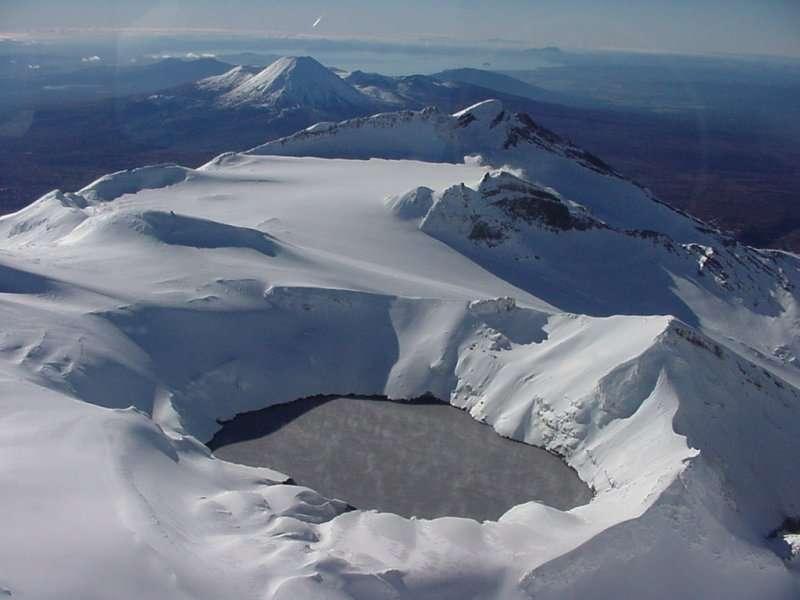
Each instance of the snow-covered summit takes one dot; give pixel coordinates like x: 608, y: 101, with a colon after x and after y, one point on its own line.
x: 429, y: 134
x: 495, y: 136
x: 291, y: 82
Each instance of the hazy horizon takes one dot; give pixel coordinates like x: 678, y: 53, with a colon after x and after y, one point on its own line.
x: 738, y: 27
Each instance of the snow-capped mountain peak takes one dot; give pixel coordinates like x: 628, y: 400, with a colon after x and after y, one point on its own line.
x: 484, y: 128
x: 497, y: 137
x: 294, y: 81
x: 490, y: 122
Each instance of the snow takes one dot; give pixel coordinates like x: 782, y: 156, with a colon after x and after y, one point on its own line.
x: 144, y: 308
x: 414, y: 204
x: 502, y: 139
x: 228, y: 80
x: 110, y: 187
x: 792, y: 540
x: 289, y: 82
x: 487, y: 110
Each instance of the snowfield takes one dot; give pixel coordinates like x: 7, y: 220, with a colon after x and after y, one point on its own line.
x: 529, y: 284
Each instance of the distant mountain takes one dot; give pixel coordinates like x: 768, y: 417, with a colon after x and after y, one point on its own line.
x: 289, y: 95
x: 412, y: 91
x: 301, y: 84
x: 508, y: 85
x: 251, y: 59
x: 420, y: 91
x: 293, y: 82
x: 136, y: 79
x: 551, y: 52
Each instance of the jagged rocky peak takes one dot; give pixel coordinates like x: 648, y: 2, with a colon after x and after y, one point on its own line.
x: 501, y: 205
x: 522, y: 200
x: 489, y: 111
x: 516, y: 129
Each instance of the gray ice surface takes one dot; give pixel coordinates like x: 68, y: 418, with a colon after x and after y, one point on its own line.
x: 423, y: 458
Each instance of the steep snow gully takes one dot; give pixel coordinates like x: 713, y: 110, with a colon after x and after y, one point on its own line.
x: 475, y: 257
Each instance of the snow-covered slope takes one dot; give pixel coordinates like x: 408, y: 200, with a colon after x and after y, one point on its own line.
x: 290, y: 82
x: 229, y: 80
x: 141, y: 310
x: 407, y: 91
x: 498, y: 137
x: 557, y: 251
x: 577, y: 235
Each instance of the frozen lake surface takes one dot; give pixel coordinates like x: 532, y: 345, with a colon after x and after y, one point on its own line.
x: 420, y: 458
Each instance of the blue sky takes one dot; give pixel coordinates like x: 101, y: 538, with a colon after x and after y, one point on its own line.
x: 733, y: 26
